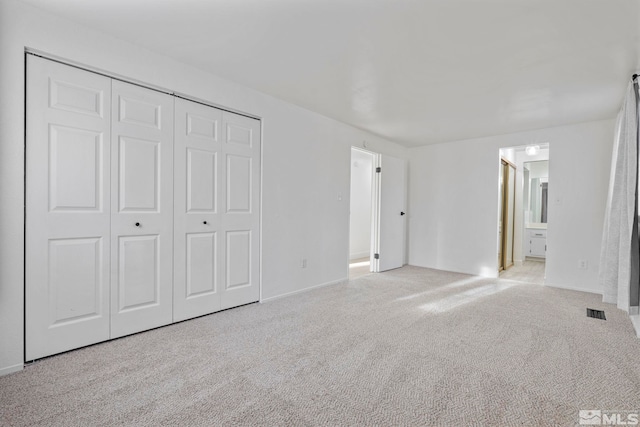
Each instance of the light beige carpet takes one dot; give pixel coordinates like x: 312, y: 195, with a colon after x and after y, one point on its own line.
x: 530, y: 272
x: 409, y: 347
x: 359, y: 267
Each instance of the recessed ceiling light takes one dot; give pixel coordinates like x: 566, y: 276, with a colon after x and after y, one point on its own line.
x: 532, y: 150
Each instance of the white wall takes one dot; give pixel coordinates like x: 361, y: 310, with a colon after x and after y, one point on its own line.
x: 360, y: 220
x: 454, y: 210
x: 305, y: 160
x: 538, y: 170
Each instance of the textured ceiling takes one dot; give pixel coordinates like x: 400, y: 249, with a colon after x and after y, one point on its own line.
x: 415, y: 72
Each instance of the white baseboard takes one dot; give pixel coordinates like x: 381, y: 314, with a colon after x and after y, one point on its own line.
x: 359, y: 255
x: 574, y: 288
x: 299, y: 291
x: 11, y: 369
x: 489, y: 275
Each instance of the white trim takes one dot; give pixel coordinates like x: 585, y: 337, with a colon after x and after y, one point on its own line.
x: 299, y: 291
x: 635, y: 321
x: 11, y: 369
x: 115, y: 76
x: 574, y: 288
x: 376, y: 191
x: 260, y: 222
x: 494, y: 274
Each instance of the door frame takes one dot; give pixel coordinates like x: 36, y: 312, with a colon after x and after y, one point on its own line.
x: 376, y: 194
x: 506, y: 166
x: 520, y: 256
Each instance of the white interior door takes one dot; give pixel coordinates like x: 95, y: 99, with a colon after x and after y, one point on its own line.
x: 390, y: 222
x: 197, y: 270
x: 141, y: 209
x: 240, y: 206
x: 67, y: 208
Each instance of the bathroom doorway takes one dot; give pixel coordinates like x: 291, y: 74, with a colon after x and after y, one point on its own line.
x: 522, y: 237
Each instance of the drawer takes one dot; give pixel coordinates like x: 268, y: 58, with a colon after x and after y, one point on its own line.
x: 537, y: 233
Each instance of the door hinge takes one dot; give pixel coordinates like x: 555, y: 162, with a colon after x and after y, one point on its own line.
x: 378, y: 169
x: 376, y: 256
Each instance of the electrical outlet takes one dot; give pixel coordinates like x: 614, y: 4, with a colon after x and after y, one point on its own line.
x: 582, y: 264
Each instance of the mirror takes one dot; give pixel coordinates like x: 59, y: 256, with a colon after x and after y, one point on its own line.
x: 535, y: 194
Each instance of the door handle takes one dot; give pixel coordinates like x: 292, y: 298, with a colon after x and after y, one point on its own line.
x: 204, y: 222
x: 401, y: 213
x: 137, y: 224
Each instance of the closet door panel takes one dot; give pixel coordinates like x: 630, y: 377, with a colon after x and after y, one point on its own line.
x: 142, y: 209
x: 197, y: 273
x: 139, y: 175
x: 67, y: 208
x: 139, y: 279
x: 240, y: 222
x: 238, y: 255
x: 239, y: 183
x: 201, y: 264
x: 201, y: 181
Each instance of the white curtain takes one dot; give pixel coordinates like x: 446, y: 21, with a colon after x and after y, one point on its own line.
x: 616, y: 266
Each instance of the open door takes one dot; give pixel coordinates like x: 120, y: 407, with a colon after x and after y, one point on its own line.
x: 389, y: 213
x: 507, y: 214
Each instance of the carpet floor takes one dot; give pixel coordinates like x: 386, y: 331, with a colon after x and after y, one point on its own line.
x: 529, y: 271
x: 359, y: 267
x: 411, y: 346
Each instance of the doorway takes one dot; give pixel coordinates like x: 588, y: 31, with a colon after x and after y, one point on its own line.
x: 361, y: 213
x: 377, y: 212
x: 522, y: 236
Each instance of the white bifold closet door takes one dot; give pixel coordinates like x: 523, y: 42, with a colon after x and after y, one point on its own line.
x: 120, y: 236
x: 99, y: 200
x: 141, y: 209
x: 216, y: 210
x: 68, y: 208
